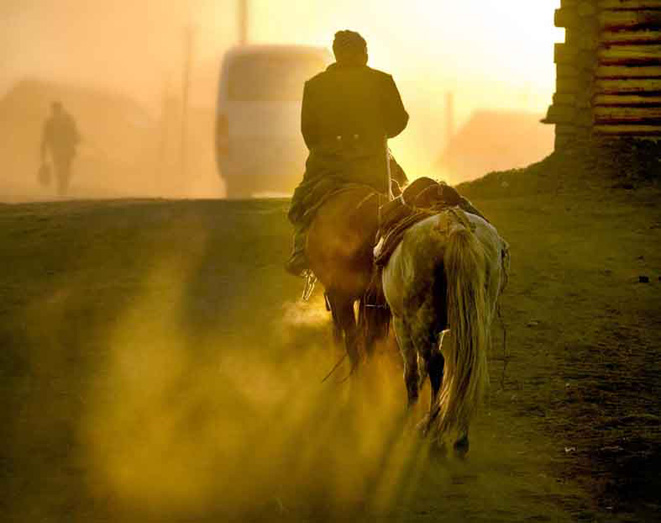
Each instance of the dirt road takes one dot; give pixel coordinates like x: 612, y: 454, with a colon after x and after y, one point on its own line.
x: 156, y: 366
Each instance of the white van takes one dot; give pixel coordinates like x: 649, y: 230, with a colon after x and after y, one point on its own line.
x: 259, y: 147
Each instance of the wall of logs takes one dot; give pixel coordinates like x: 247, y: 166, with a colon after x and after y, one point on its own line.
x: 608, y: 71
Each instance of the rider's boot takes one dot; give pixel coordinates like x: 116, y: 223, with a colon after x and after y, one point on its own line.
x: 298, y: 262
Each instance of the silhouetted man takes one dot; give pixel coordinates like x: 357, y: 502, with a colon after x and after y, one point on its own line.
x: 349, y: 112
x: 60, y: 137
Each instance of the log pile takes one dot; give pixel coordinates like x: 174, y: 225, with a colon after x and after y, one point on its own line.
x: 608, y: 81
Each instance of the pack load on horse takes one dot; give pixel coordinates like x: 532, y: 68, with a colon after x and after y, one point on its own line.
x: 348, y: 113
x: 421, y: 199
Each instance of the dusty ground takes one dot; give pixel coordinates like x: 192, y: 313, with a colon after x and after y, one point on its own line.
x: 156, y: 366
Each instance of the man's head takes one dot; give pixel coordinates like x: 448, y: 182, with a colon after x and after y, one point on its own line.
x: 56, y: 107
x: 350, y: 48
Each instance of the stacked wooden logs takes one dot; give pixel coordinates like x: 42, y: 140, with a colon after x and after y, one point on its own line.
x: 608, y: 70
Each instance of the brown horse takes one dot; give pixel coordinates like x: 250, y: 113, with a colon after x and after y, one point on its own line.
x: 340, y: 253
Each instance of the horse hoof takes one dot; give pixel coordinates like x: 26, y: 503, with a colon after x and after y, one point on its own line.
x: 461, y: 447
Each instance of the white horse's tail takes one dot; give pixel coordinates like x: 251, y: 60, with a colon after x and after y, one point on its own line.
x: 465, y: 374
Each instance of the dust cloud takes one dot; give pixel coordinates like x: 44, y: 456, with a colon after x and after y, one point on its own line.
x: 241, y: 429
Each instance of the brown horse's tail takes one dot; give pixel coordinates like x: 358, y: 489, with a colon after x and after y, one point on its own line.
x: 465, y: 374
x: 373, y: 313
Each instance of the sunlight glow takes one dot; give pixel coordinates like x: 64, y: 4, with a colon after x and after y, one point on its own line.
x: 491, y: 54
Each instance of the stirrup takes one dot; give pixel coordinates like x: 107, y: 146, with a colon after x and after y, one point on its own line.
x: 310, y: 281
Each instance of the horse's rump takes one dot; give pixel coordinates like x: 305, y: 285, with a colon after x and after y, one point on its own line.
x: 341, y: 239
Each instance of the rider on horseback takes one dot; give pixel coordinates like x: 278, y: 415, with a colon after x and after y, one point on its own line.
x: 349, y: 112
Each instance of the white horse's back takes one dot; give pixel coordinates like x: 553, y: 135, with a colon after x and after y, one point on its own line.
x: 413, y: 260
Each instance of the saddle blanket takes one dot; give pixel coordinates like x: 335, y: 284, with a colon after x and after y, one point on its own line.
x: 420, y: 200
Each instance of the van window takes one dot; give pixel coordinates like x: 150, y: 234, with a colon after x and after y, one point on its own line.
x: 272, y: 77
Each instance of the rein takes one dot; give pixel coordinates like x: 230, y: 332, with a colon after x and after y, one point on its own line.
x: 367, y: 198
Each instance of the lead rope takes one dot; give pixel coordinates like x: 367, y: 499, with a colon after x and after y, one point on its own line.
x: 339, y: 362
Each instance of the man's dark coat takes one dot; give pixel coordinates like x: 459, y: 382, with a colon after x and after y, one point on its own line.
x: 348, y: 113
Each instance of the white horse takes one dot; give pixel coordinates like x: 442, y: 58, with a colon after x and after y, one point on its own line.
x: 445, y: 277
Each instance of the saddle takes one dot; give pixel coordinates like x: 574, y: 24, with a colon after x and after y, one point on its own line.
x: 325, y: 189
x: 420, y: 200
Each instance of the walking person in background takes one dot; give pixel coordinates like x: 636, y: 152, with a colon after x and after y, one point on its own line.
x: 60, y: 137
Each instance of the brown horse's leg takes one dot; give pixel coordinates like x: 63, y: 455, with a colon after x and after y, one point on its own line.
x: 345, y: 323
x: 374, y: 326
x: 338, y: 338
x: 374, y: 315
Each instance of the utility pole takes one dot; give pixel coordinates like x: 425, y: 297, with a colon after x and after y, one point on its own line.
x: 449, y: 117
x: 243, y: 19
x: 185, y: 94
x: 161, y: 160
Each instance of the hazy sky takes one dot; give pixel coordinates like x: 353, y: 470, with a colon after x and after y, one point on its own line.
x: 506, y: 39
x: 128, y: 42
x: 489, y: 53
